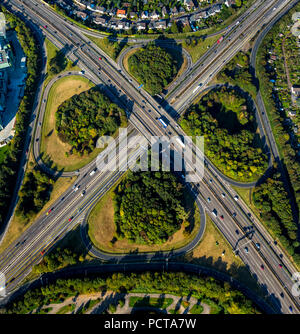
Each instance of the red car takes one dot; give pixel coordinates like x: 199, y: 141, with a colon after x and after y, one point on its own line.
x: 43, y: 252
x: 70, y: 219
x: 262, y: 267
x: 45, y: 26
x: 280, y: 265
x: 48, y: 212
x: 100, y: 58
x: 222, y: 217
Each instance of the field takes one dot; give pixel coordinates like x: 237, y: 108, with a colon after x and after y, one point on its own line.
x: 51, y: 51
x: 52, y: 148
x: 101, y: 230
x: 209, y: 254
x: 198, y: 50
x: 111, y: 49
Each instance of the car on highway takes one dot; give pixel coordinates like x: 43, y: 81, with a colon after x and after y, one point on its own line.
x: 222, y: 217
x: 43, y: 252
x: 262, y: 267
x: 215, y: 212
x: 223, y: 195
x: 234, y: 214
x: 282, y: 295
x: 100, y: 58
x: 47, y: 213
x: 210, y: 180
x: 83, y: 193
x: 76, y: 188
x: 246, y: 250
x: 93, y: 172
x: 45, y: 26
x: 236, y: 197
x: 208, y: 199
x: 237, y: 232
x: 70, y: 219
x: 280, y: 265
x: 290, y: 308
x: 257, y: 245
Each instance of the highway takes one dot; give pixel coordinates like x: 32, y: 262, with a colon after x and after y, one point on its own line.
x: 277, y: 280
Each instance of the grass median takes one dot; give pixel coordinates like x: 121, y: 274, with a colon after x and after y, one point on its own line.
x: 52, y: 149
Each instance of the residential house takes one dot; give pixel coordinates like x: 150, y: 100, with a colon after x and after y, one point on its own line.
x: 100, y: 9
x: 81, y: 15
x: 133, y: 15
x: 217, y: 8
x: 190, y: 5
x: 164, y: 12
x: 141, y: 26
x: 295, y: 91
x: 121, y: 13
x: 174, y: 11
x: 229, y: 3
x: 154, y: 15
x: 82, y: 3
x: 111, y: 12
x: 181, y: 10
x: 162, y: 24
x: 184, y: 21
x: 144, y: 15
x: 211, y: 11
x: 151, y: 25
x: 100, y: 20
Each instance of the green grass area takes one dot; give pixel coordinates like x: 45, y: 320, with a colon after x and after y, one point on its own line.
x: 161, y: 303
x: 101, y: 228
x: 196, y: 309
x: 45, y: 310
x: 214, y: 308
x: 89, y: 305
x: 52, y: 149
x: 3, y: 153
x: 112, y: 49
x: 51, y: 50
x: 66, y: 309
x: 199, y: 50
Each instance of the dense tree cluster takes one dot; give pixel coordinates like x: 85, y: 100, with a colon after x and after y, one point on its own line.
x: 58, y: 259
x: 148, y: 207
x: 227, y: 299
x: 34, y: 193
x: 58, y: 63
x: 237, y: 72
x: 9, y: 167
x: 85, y: 117
x: 227, y: 124
x: 154, y: 67
x: 276, y: 95
x: 272, y: 200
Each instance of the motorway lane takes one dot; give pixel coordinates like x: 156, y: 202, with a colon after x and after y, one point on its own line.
x: 151, y: 124
x: 161, y: 43
x: 226, y: 51
x: 63, y: 209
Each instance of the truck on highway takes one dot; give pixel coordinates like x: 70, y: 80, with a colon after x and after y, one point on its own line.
x: 93, y: 172
x: 180, y: 142
x: 215, y: 212
x: 220, y: 40
x: 163, y: 120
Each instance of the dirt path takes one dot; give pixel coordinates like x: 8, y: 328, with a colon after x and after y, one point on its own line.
x: 111, y: 297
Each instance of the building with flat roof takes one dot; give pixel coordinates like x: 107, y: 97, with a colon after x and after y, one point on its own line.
x: 2, y: 26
